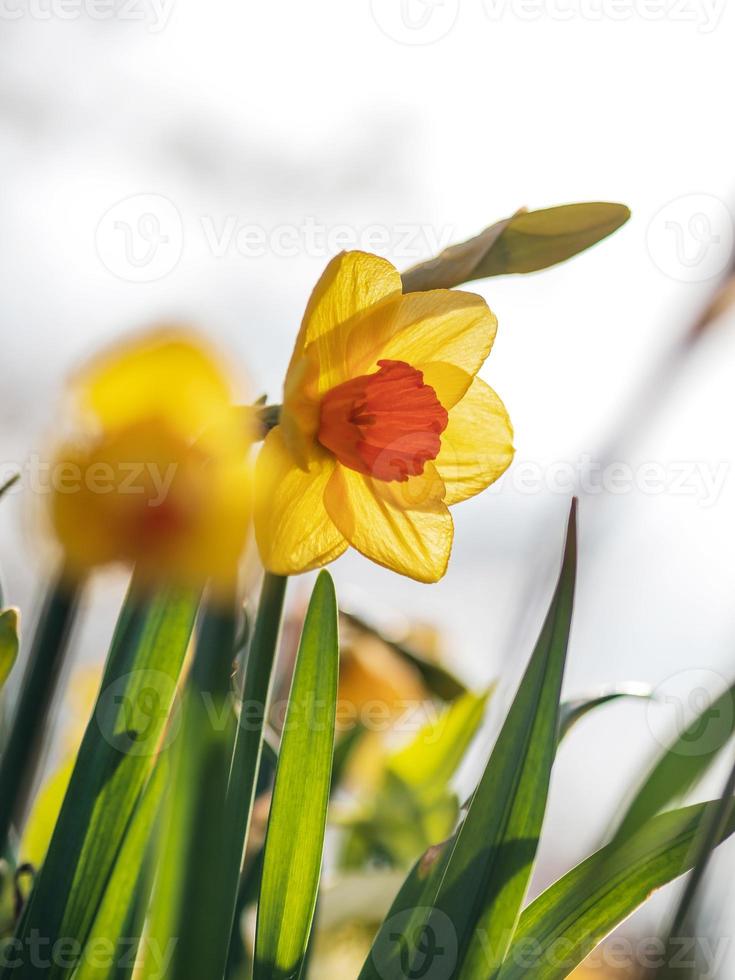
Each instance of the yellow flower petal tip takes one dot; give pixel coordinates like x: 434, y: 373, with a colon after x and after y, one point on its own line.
x: 157, y: 471
x: 384, y: 425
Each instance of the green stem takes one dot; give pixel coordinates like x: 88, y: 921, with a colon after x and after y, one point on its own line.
x: 22, y: 752
x: 246, y: 758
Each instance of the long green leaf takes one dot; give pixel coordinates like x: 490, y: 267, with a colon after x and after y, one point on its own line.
x: 115, y: 759
x: 430, y: 759
x: 9, y: 642
x: 295, y: 837
x: 462, y: 900
x: 199, y: 794
x: 22, y: 752
x: 575, y: 710
x: 412, y: 803
x: 561, y: 926
x: 127, y: 886
x: 714, y: 827
x: 249, y: 743
x: 683, y: 763
x: 526, y: 242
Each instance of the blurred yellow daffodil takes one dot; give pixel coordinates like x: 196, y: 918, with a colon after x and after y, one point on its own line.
x: 156, y: 472
x: 384, y: 425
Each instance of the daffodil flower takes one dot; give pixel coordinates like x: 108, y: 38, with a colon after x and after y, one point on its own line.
x: 384, y: 425
x: 157, y: 470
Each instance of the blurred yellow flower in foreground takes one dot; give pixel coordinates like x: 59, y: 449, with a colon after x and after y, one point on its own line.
x: 384, y: 425
x: 156, y: 472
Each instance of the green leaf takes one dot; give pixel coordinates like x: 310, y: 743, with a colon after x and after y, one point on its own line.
x: 561, y: 926
x: 683, y: 763
x: 249, y: 742
x: 430, y: 759
x: 412, y: 804
x: 464, y: 897
x: 713, y: 828
x: 189, y: 907
x: 573, y: 711
x: 10, y: 482
x: 127, y: 886
x: 9, y: 642
x: 526, y: 242
x: 21, y: 753
x: 115, y: 759
x: 295, y: 837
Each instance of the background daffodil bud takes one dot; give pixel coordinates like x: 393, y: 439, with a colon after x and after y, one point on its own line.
x: 156, y: 471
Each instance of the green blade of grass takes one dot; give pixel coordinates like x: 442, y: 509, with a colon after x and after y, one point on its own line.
x: 714, y: 827
x: 682, y: 764
x: 574, y: 711
x: 116, y: 756
x: 430, y: 759
x: 526, y: 242
x: 249, y: 741
x: 462, y: 900
x: 9, y: 642
x: 296, y: 825
x: 22, y: 751
x: 194, y: 859
x: 108, y: 951
x: 566, y: 922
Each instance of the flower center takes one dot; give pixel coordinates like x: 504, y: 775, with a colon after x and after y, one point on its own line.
x: 386, y: 425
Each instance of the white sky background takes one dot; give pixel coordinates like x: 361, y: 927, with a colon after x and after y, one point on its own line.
x: 312, y: 115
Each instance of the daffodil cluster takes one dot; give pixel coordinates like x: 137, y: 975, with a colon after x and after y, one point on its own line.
x: 384, y: 425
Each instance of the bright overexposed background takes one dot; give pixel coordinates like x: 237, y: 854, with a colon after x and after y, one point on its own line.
x: 316, y: 126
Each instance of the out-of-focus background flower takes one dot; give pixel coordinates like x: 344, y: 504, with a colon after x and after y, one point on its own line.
x: 202, y: 163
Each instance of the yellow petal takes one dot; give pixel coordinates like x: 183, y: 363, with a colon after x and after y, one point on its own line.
x: 142, y: 495
x: 445, y: 333
x: 445, y: 326
x: 165, y: 374
x: 352, y: 283
x: 477, y: 445
x: 292, y: 527
x: 403, y: 526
